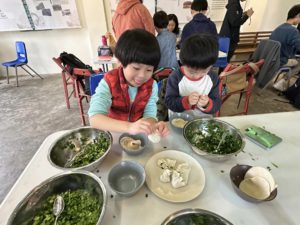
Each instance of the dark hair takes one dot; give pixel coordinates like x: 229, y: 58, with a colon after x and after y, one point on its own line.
x: 160, y: 19
x: 199, y: 5
x: 175, y: 19
x: 138, y: 46
x: 293, y: 12
x: 199, y: 51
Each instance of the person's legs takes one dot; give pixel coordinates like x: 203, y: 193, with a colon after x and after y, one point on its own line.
x: 232, y: 48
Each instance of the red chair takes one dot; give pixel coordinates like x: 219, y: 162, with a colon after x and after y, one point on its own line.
x: 74, y: 79
x: 161, y: 76
x: 251, y: 69
x: 162, y: 73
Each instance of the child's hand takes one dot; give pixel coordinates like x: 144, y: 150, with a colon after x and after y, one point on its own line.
x: 161, y: 128
x: 203, y: 101
x: 140, y: 126
x: 193, y: 98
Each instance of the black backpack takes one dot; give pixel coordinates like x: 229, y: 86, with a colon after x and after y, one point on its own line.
x: 73, y: 62
x: 293, y: 93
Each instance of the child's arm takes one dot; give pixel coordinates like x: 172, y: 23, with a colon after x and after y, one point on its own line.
x: 173, y: 100
x: 104, y: 122
x: 150, y: 113
x: 214, y: 100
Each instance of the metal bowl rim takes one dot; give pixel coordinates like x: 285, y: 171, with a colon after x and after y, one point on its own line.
x: 50, y: 179
x: 191, y: 211
x: 222, y: 122
x: 68, y: 133
x: 134, y: 152
x: 138, y: 187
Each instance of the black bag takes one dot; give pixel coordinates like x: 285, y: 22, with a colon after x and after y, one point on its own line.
x: 73, y: 62
x: 293, y: 93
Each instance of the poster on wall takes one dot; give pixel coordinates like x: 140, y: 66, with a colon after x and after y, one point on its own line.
x: 38, y: 15
x: 13, y: 16
x: 150, y: 4
x: 182, y: 9
x: 53, y: 14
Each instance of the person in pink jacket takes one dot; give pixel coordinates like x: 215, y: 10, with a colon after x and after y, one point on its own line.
x: 131, y: 14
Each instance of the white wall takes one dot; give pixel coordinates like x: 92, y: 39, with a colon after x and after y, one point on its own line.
x: 95, y: 19
x: 268, y: 14
x: 43, y: 45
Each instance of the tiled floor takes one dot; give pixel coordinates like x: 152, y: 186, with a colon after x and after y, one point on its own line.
x: 37, y: 108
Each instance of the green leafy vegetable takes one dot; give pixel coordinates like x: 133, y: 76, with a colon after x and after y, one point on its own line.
x: 89, y: 151
x: 208, y: 138
x: 80, y: 208
x: 196, y: 219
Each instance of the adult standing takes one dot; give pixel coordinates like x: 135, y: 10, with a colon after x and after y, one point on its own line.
x: 200, y: 23
x: 131, y: 14
x: 233, y: 20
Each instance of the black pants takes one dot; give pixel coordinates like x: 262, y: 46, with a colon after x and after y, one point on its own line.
x: 232, y: 48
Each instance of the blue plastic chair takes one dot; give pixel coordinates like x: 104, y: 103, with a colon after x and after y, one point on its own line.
x: 94, y: 81
x: 21, y: 61
x: 224, y: 43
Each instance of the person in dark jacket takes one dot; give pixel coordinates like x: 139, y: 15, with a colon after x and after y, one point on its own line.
x: 200, y: 23
x: 289, y: 37
x: 233, y: 20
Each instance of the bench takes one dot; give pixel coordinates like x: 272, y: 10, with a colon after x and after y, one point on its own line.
x: 249, y: 41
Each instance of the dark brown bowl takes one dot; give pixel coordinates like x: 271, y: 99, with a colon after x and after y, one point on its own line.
x: 237, y: 174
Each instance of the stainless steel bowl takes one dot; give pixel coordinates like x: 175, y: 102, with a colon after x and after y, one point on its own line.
x: 183, y: 217
x: 70, y: 180
x: 202, y: 125
x: 59, y: 154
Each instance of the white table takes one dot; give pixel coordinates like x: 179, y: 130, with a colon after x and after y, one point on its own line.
x: 218, y: 195
x: 105, y: 63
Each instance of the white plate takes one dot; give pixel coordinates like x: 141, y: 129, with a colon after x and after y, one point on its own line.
x: 165, y: 191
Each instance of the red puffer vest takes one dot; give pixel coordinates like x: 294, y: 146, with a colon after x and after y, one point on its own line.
x: 121, y: 108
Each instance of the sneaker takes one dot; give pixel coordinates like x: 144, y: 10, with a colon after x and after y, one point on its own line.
x: 281, y: 85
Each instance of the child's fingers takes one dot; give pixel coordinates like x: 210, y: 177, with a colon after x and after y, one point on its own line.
x: 162, y: 129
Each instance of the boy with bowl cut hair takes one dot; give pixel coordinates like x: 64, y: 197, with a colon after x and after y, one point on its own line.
x: 125, y: 99
x: 194, y: 87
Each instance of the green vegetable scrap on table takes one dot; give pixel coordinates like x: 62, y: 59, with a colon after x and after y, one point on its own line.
x: 89, y: 152
x: 81, y: 208
x: 209, y: 139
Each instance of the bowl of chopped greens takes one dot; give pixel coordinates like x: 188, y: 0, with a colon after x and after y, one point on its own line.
x: 195, y: 216
x: 82, y: 148
x: 82, y: 192
x: 213, y: 139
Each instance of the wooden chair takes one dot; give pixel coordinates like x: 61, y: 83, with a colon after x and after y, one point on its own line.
x: 74, y: 80
x: 250, y: 69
